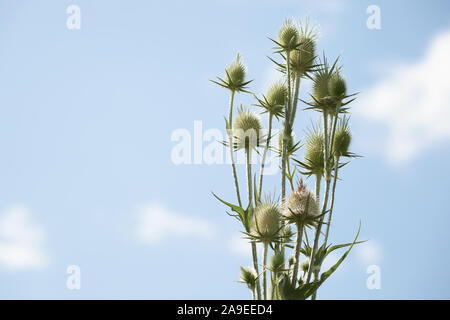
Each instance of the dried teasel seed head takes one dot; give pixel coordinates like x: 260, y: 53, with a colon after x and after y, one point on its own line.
x: 288, y: 35
x: 248, y: 276
x: 342, y: 139
x: 302, y: 207
x: 266, y: 224
x: 246, y: 130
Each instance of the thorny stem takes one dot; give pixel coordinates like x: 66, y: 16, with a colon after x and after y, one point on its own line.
x: 336, y: 167
x: 263, y: 163
x: 248, y: 152
x: 230, y: 139
x: 286, y: 134
x: 325, y: 200
x: 264, y: 269
x: 298, y: 245
x: 289, y: 173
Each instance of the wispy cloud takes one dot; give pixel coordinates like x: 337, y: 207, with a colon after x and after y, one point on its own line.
x: 21, y: 240
x: 156, y: 223
x: 413, y: 103
x: 369, y: 252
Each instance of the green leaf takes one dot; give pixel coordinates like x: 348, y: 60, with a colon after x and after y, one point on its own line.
x: 243, y: 214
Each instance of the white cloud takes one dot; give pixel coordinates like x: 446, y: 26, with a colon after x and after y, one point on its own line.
x: 413, y: 103
x: 156, y: 223
x: 21, y: 240
x: 369, y: 252
x: 239, y: 246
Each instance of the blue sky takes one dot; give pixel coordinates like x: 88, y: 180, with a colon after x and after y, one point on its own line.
x: 86, y: 119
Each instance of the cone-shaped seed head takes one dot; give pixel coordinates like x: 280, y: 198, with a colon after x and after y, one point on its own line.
x: 248, y: 276
x: 288, y: 36
x: 277, y: 262
x: 247, y: 129
x: 303, y: 59
x: 235, y: 73
x: 314, y: 156
x: 337, y: 87
x: 321, y: 86
x: 267, y: 222
x: 277, y: 94
x: 302, y: 205
x: 342, y: 140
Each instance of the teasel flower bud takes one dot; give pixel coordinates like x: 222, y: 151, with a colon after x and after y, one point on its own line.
x: 248, y: 276
x: 302, y: 208
x: 274, y: 101
x: 342, y: 139
x: 314, y: 154
x: 288, y: 36
x: 277, y: 263
x: 266, y: 224
x: 235, y: 75
x: 302, y: 59
x: 247, y: 130
x: 323, y: 101
x: 337, y: 87
x: 287, y: 234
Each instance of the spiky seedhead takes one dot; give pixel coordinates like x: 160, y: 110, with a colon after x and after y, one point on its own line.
x: 235, y: 75
x: 323, y: 101
x: 342, y: 139
x: 288, y: 35
x: 302, y: 59
x: 277, y: 94
x: 287, y: 234
x: 235, y: 72
x: 302, y: 207
x: 246, y: 130
x: 266, y: 225
x: 274, y: 100
x: 277, y: 262
x: 314, y: 155
x: 248, y: 276
x: 337, y: 87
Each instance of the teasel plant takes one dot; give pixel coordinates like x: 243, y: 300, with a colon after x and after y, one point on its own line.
x: 292, y: 227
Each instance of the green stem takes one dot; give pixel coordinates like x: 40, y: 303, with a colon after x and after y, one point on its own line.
x: 266, y: 245
x: 295, y: 102
x: 333, y: 192
x: 298, y: 246
x: 325, y: 200
x: 230, y: 140
x: 263, y: 163
x: 289, y: 173
x: 250, y: 207
x: 286, y: 134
